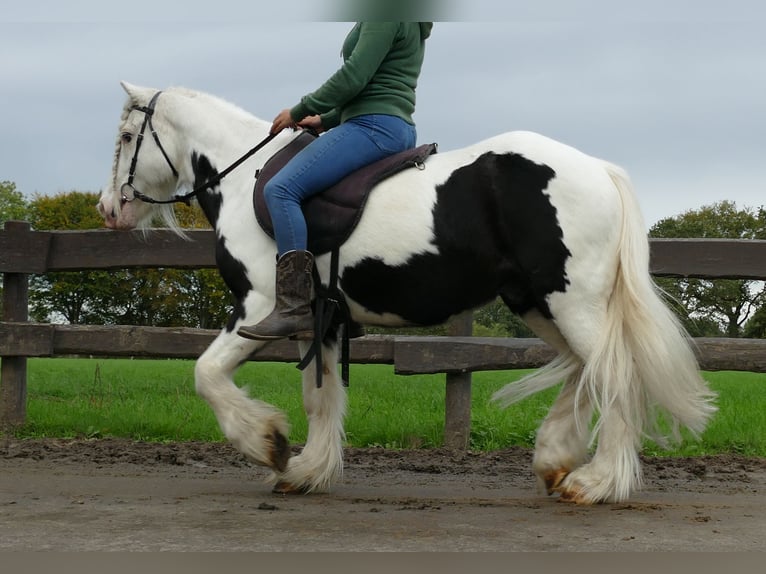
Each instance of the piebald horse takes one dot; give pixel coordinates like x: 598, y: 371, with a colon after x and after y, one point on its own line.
x: 557, y: 234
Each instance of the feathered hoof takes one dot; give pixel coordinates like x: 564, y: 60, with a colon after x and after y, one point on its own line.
x: 575, y: 495
x: 284, y: 487
x: 574, y: 491
x: 562, y: 482
x: 554, y: 478
x: 279, y: 453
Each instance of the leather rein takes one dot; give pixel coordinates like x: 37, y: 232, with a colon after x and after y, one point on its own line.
x: 186, y: 198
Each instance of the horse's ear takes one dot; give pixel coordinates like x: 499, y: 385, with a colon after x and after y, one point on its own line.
x: 136, y: 93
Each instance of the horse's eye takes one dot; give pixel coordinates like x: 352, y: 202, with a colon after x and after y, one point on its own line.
x: 126, y: 137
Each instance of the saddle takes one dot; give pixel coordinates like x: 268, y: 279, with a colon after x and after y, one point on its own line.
x: 332, y: 215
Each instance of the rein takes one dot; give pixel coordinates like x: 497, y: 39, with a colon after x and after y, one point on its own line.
x: 187, y: 197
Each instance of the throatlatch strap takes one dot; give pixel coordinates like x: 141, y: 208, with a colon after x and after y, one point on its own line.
x: 329, y: 302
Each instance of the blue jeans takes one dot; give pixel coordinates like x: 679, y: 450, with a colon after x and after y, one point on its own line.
x: 352, y: 145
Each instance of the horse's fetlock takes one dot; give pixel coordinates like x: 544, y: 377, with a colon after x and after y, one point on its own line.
x: 279, y: 453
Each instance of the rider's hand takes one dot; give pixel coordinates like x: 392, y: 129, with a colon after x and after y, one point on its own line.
x: 312, y: 122
x: 282, y: 121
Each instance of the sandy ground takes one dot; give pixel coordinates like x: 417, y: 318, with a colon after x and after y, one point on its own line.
x: 122, y: 495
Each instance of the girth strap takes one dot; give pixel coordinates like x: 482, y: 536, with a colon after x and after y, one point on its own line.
x: 331, y: 309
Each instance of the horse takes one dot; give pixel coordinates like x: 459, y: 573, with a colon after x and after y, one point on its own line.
x: 555, y: 233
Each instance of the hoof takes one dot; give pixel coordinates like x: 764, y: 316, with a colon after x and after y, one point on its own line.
x: 570, y: 496
x: 575, y: 495
x: 283, y: 487
x: 279, y: 453
x: 554, y: 478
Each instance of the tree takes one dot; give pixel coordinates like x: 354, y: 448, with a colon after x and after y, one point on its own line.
x: 201, y: 297
x: 153, y: 297
x: 493, y: 320
x: 755, y: 328
x: 172, y: 297
x: 13, y: 204
x: 497, y: 320
x: 75, y: 297
x: 725, y: 303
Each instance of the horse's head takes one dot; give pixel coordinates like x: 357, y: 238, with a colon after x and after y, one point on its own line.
x: 143, y: 163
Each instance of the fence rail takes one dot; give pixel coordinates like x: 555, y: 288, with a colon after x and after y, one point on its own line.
x: 24, y: 252
x: 410, y: 355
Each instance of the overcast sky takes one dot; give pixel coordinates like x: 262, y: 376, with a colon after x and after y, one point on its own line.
x: 674, y: 95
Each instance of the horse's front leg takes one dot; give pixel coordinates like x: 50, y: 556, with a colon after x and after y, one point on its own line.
x: 255, y: 428
x: 320, y: 463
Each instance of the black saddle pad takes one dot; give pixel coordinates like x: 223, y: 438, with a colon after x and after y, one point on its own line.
x: 332, y: 215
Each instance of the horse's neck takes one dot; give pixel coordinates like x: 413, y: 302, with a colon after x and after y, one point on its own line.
x: 223, y: 134
x: 224, y: 139
x: 215, y: 129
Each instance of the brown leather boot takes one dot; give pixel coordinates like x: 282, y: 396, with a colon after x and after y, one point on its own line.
x: 292, y: 316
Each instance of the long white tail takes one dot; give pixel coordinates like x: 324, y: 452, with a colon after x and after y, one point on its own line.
x: 643, y: 363
x: 645, y: 352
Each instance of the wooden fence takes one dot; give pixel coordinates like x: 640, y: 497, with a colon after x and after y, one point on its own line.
x: 24, y: 252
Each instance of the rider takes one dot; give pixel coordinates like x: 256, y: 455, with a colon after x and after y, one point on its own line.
x: 367, y: 105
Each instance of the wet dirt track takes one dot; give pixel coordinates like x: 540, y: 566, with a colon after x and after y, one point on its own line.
x: 122, y: 495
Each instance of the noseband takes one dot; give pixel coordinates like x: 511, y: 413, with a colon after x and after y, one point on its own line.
x: 186, y: 198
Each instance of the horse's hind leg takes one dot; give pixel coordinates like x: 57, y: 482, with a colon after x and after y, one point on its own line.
x: 561, y: 442
x: 255, y: 428
x: 320, y: 463
x: 605, y: 379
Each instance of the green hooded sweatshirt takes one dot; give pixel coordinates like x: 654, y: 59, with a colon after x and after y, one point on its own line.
x: 381, y: 65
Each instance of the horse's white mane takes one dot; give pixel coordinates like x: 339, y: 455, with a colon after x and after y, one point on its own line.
x: 210, y: 99
x: 123, y: 119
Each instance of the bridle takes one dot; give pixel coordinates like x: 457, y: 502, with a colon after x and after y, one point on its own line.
x: 148, y: 112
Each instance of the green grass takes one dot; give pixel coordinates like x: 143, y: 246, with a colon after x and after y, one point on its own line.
x: 740, y: 424
x: 155, y: 400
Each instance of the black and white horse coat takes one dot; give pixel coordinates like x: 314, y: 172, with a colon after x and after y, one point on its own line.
x: 554, y: 232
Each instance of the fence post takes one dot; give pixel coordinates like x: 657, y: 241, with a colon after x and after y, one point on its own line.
x: 457, y: 407
x: 13, y: 370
